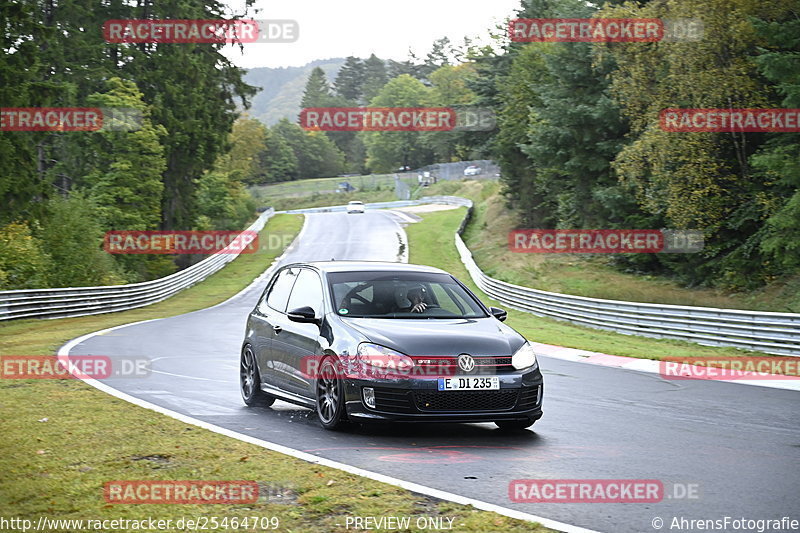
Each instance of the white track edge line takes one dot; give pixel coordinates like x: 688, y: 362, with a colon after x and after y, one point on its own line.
x: 651, y: 366
x: 258, y: 279
x: 63, y: 355
x: 401, y: 232
x: 63, y: 352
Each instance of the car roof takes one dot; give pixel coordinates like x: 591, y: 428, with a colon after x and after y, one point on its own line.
x: 368, y: 266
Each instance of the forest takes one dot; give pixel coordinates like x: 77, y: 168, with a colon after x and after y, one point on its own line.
x: 578, y: 136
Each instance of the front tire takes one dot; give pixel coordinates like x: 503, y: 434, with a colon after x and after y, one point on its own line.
x: 514, y: 425
x: 250, y: 381
x: 330, y: 395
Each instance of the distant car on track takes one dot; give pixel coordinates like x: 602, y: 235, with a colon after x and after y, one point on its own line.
x: 425, y: 179
x: 345, y: 187
x: 472, y: 170
x: 370, y: 341
x: 355, y: 207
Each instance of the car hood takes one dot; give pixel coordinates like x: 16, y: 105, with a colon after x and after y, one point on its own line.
x: 481, y: 336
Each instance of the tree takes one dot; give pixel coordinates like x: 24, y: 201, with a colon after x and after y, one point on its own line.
x: 317, y: 92
x: 247, y: 140
x: 277, y: 160
x: 24, y: 263
x: 387, y: 150
x: 72, y: 236
x: 350, y: 80
x: 124, y: 181
x: 23, y: 181
x: 516, y: 98
x: 440, y: 55
x: 222, y: 201
x: 375, y: 77
x: 778, y: 160
x: 316, y: 155
x: 703, y: 180
x: 574, y: 132
x: 509, y: 81
x: 194, y: 91
x: 449, y: 88
x: 324, y: 159
x: 409, y: 67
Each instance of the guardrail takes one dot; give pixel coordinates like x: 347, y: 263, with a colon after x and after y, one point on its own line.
x: 81, y: 301
x: 452, y: 200
x: 774, y: 333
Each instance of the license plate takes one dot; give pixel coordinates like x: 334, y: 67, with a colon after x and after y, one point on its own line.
x: 470, y: 383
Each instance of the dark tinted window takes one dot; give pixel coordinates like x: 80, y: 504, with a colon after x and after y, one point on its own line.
x: 390, y: 295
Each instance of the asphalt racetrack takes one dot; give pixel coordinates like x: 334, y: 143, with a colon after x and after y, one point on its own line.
x: 736, y: 447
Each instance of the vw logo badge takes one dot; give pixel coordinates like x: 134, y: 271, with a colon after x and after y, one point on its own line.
x: 466, y: 362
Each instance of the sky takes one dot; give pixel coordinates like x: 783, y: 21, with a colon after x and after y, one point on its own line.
x: 362, y: 27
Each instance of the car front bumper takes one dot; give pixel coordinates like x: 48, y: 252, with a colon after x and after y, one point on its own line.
x: 418, y: 400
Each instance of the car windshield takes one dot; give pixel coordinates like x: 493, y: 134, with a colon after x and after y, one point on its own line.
x: 404, y: 295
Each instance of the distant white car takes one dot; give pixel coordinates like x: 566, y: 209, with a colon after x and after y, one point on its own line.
x: 355, y: 207
x: 472, y: 170
x: 426, y: 178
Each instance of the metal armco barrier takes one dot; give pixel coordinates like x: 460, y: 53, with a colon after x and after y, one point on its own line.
x: 81, y: 301
x: 775, y: 333
x: 451, y: 200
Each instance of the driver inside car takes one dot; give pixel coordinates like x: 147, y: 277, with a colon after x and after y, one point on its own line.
x: 416, y: 296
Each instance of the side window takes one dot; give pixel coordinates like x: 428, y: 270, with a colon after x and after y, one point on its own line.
x: 446, y: 301
x: 307, y: 292
x: 279, y: 293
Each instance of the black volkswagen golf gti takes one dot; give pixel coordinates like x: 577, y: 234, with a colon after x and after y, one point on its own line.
x: 370, y: 342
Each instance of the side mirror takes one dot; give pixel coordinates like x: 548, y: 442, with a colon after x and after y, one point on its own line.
x: 499, y: 314
x: 304, y: 315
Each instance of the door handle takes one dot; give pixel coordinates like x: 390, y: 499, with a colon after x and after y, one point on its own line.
x: 277, y: 329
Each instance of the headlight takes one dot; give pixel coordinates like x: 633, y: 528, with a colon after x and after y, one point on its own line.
x: 383, y: 357
x: 524, y: 358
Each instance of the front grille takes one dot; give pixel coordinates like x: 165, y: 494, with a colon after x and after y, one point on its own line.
x: 447, y: 366
x: 498, y: 400
x: 393, y: 400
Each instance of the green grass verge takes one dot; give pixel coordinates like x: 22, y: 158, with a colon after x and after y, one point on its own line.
x: 324, y: 185
x: 322, y: 191
x: 324, y: 200
x: 35, y: 337
x: 63, y: 440
x: 431, y: 243
x: 591, y: 275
